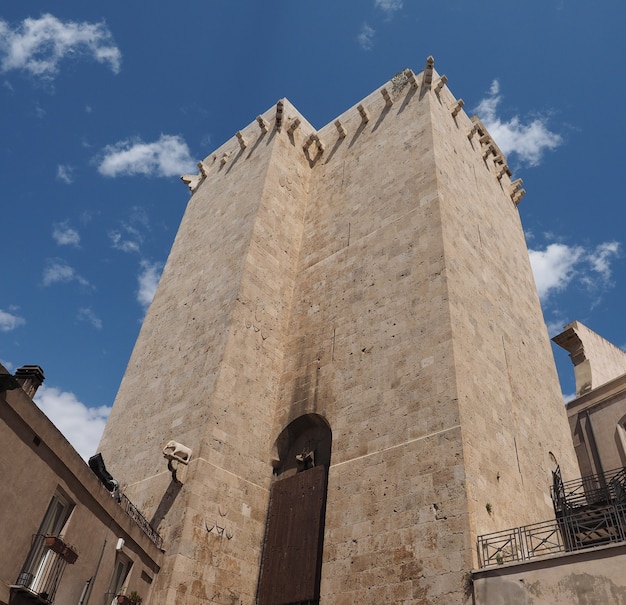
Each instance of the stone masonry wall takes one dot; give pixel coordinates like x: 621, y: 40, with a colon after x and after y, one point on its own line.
x: 373, y: 273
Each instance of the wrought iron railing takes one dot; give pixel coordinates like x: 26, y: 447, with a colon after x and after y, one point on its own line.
x: 43, y: 569
x: 584, y: 529
x: 135, y: 514
x: 606, y: 488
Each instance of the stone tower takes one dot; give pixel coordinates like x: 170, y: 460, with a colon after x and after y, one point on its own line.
x: 348, y: 338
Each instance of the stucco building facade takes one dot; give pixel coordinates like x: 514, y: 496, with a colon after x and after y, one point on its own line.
x: 65, y: 539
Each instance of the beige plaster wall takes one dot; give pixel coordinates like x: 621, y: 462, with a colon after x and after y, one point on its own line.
x: 38, y: 461
x: 596, y: 360
x: 597, y: 421
x: 591, y: 577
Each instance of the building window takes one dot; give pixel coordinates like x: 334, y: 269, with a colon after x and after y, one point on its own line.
x: 45, y: 563
x: 118, y: 580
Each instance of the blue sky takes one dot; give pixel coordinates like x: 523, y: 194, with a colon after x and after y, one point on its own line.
x: 105, y: 105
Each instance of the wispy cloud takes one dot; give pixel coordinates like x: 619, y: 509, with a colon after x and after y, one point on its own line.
x: 64, y: 235
x: 389, y: 6
x: 130, y: 235
x: 169, y: 156
x: 7, y: 364
x: 38, y: 46
x: 81, y: 425
x: 58, y: 271
x: 10, y: 321
x: 126, y: 240
x: 64, y: 173
x: 86, y: 314
x: 148, y: 280
x: 558, y: 265
x: 366, y: 37
x: 528, y: 140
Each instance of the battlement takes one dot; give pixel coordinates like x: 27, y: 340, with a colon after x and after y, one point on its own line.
x: 318, y: 146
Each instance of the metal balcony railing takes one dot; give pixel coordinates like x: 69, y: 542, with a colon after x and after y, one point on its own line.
x: 42, y: 571
x: 135, y: 514
x: 585, y: 529
x: 607, y: 488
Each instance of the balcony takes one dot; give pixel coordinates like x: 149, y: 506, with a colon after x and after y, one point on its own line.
x: 590, y: 512
x: 44, y: 567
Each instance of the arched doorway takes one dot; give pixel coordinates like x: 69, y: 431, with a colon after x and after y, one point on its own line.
x: 294, y: 534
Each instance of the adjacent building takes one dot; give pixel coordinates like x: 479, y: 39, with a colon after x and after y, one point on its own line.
x: 65, y: 539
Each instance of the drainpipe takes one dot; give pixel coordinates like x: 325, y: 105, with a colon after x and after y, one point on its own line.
x: 84, y: 598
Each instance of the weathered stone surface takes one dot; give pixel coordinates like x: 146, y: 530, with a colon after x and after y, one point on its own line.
x: 380, y: 280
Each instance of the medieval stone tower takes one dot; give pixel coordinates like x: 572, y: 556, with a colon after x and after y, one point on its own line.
x: 348, y: 338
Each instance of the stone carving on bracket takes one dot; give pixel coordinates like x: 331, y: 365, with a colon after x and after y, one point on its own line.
x: 192, y: 181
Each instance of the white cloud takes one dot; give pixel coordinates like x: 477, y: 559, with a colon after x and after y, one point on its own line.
x: 129, y: 237
x: 601, y: 257
x: 366, y: 37
x: 554, y: 267
x: 119, y: 242
x: 10, y: 321
x: 87, y: 314
x: 37, y: 46
x: 58, y: 271
x: 527, y: 140
x: 64, y: 235
x: 64, y: 173
x: 8, y: 365
x: 148, y: 281
x: 389, y: 6
x: 82, y: 426
x: 169, y: 156
x: 558, y: 265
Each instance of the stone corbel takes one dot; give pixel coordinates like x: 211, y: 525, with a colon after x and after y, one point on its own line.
x: 428, y: 72
x: 279, y: 115
x: 365, y: 118
x: 242, y: 142
x: 457, y: 108
x: 440, y: 84
x: 340, y: 129
x: 262, y: 124
x: 387, y: 97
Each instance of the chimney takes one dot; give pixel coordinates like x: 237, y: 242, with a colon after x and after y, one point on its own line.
x: 31, y: 378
